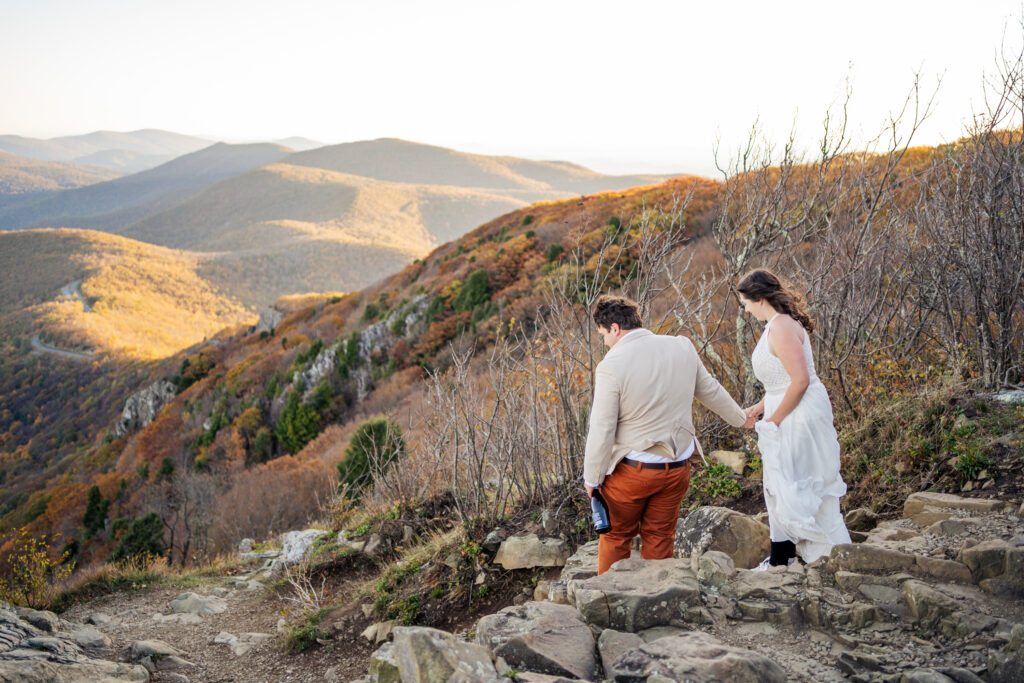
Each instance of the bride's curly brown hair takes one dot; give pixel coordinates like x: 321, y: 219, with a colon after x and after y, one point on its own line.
x: 764, y: 285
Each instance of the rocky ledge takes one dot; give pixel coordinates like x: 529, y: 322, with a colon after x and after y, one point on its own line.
x: 934, y: 597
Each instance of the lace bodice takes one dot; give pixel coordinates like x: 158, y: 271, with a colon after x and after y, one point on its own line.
x: 768, y: 368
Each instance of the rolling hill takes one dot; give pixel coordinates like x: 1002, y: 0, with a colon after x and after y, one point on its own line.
x: 22, y: 178
x: 272, y: 222
x: 111, y: 205
x: 409, y: 162
x: 133, y: 151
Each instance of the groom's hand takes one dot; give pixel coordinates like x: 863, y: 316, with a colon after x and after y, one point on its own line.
x: 751, y: 420
x: 590, y: 491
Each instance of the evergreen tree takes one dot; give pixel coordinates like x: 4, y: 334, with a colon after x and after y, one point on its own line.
x: 144, y: 537
x: 376, y: 444
x: 298, y: 422
x: 95, y: 512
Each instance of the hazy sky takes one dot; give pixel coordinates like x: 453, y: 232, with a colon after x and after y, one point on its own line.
x: 619, y: 86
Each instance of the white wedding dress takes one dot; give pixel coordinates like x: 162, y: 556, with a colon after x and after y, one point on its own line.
x: 800, y: 459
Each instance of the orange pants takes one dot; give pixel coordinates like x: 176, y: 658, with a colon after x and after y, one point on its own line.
x: 644, y: 501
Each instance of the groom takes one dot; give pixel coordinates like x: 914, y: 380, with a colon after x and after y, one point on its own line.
x: 641, y: 431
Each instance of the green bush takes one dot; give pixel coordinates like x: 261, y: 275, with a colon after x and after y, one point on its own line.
x: 474, y: 292
x: 376, y: 444
x: 166, y: 468
x: 144, y: 537
x: 527, y: 219
x: 553, y: 252
x: 371, y: 312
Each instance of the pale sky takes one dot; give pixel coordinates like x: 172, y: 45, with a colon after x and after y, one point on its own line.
x: 618, y: 86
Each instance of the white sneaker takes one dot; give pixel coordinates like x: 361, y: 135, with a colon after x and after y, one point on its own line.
x: 763, y: 567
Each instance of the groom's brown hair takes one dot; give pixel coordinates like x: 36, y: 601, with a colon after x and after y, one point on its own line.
x: 609, y: 309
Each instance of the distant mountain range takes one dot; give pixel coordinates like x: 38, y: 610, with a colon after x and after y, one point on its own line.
x: 270, y: 221
x: 127, y: 152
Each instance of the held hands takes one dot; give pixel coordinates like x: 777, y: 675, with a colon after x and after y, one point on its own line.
x: 752, y: 412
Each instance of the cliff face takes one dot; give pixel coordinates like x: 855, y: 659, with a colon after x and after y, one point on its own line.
x: 141, y: 407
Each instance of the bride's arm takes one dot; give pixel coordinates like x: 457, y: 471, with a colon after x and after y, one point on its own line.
x: 786, y: 342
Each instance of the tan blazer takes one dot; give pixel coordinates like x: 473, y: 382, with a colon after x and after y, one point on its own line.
x: 643, y: 398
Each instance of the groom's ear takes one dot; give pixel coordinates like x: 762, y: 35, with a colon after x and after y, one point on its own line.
x: 615, y: 328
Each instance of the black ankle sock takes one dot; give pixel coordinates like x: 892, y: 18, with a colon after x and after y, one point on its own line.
x: 781, y: 552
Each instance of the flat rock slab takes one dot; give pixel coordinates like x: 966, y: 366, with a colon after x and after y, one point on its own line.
x: 242, y: 643
x: 184, y: 618
x: 918, y: 502
x: 524, y: 552
x: 582, y: 564
x: 541, y: 637
x: 94, y: 671
x: 638, y: 594
x: 192, y: 603
x: 694, y: 656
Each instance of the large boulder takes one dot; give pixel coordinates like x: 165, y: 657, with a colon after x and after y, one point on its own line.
x: 1006, y: 664
x: 524, y: 552
x: 294, y: 545
x: 637, y: 594
x: 541, y: 637
x: 191, y: 603
x: 986, y: 559
x: 739, y: 536
x: 947, y: 609
x: 694, y: 656
x: 426, y: 655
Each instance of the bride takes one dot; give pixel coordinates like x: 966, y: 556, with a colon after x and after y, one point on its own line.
x: 798, y: 442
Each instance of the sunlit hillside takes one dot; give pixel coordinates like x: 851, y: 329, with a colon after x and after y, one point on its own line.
x: 20, y: 176
x: 145, y: 301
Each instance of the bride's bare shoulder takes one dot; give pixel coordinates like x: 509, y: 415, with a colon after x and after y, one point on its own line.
x: 787, y: 326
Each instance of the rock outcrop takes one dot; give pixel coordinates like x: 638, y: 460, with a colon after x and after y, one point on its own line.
x: 142, y: 407
x: 931, y: 598
x: 29, y: 654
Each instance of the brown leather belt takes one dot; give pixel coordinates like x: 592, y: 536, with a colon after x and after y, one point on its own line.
x: 654, y: 465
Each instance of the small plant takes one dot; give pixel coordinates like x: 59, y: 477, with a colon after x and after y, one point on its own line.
x: 30, y: 571
x: 971, y: 462
x: 716, y: 480
x: 306, y: 593
x: 527, y: 219
x: 301, y: 638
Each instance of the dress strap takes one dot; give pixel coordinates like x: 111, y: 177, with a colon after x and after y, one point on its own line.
x: 768, y: 322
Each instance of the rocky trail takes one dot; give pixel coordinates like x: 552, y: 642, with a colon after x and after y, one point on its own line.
x: 935, y: 596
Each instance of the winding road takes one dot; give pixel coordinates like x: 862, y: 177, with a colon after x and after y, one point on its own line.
x: 71, y: 291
